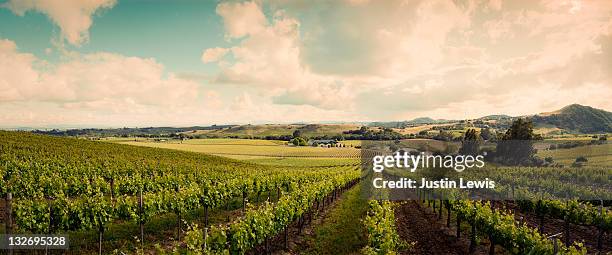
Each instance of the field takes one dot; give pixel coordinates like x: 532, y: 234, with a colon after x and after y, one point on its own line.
x: 282, y: 199
x: 277, y: 130
x: 597, y: 155
x: 249, y: 148
x: 81, y: 192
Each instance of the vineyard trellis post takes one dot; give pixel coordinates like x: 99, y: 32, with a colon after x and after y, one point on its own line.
x: 112, y: 189
x: 458, y: 225
x: 205, y: 238
x: 8, y: 221
x: 100, y: 236
x: 448, y: 213
x: 473, y: 234
x: 492, y: 247
x: 600, y: 227
x: 178, y: 215
x: 244, y: 201
x: 205, y: 215
x: 440, y: 209
x: 286, y: 237
x: 140, y: 220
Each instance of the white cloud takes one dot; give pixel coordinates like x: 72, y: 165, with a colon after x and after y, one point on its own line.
x: 95, y: 81
x: 241, y: 19
x: 213, y: 54
x: 17, y: 75
x: 74, y: 17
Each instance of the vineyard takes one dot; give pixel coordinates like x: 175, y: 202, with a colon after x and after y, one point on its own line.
x: 64, y: 185
x: 111, y: 197
x: 531, y: 210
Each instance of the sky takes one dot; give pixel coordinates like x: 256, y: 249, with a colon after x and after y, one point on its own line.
x: 121, y: 63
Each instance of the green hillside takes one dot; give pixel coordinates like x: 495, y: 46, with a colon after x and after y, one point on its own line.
x: 575, y: 117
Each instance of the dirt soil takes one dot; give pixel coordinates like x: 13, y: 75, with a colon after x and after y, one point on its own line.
x: 586, y: 234
x: 297, y: 240
x: 419, y: 224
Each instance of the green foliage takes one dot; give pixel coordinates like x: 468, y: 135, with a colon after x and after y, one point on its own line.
x: 581, y: 159
x: 298, y: 141
x: 504, y: 231
x: 471, y: 143
x: 381, y: 230
x: 194, y: 239
x: 62, y: 184
x: 486, y: 134
x: 579, y: 118
x: 516, y: 145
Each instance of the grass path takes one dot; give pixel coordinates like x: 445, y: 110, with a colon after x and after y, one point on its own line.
x: 341, y: 231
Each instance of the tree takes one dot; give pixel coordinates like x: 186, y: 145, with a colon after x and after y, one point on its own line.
x: 471, y: 143
x: 363, y: 130
x: 298, y: 141
x: 485, y: 134
x: 297, y: 133
x: 516, y: 145
x: 443, y: 136
x: 581, y: 159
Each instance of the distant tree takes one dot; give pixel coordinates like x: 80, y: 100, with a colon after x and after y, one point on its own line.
x: 516, y: 145
x: 298, y: 141
x: 338, y: 137
x: 443, y: 136
x: 297, y: 133
x: 471, y: 143
x: 549, y: 160
x: 603, y: 138
x: 485, y: 134
x: 581, y: 159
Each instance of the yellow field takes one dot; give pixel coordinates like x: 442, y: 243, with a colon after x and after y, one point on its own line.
x: 351, y: 142
x: 428, y: 144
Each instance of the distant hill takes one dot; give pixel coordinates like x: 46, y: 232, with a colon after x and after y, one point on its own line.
x: 264, y: 130
x: 496, y: 117
x: 146, y: 131
x: 575, y: 117
x: 402, y: 124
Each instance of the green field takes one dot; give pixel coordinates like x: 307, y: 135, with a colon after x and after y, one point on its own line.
x: 249, y: 148
x: 597, y: 155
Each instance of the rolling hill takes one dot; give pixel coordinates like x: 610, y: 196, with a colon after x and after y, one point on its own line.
x: 578, y: 118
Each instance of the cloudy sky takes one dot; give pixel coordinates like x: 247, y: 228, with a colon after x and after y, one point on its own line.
x: 138, y: 63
